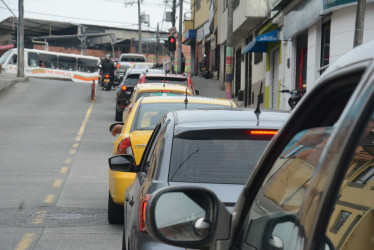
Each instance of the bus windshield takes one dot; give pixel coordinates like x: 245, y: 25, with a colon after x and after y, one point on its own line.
x: 5, y: 56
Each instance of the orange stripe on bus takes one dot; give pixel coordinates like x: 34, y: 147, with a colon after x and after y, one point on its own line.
x: 83, y: 78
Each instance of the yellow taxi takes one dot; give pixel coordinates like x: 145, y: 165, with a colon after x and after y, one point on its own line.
x: 136, y: 131
x: 155, y: 89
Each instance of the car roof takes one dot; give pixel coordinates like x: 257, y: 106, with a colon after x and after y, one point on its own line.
x: 129, y: 54
x: 166, y: 75
x: 235, y: 118
x: 181, y: 99
x: 160, y: 86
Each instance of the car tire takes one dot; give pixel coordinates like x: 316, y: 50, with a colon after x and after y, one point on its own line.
x: 118, y: 116
x: 115, y: 212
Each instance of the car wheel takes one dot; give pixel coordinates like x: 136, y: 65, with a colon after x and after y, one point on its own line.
x: 118, y: 116
x: 115, y: 212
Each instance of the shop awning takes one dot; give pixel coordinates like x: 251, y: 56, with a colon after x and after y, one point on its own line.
x: 260, y: 43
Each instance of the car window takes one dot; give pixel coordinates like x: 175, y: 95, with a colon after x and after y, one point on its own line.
x: 156, y: 154
x: 5, y: 56
x: 150, y: 114
x: 13, y: 59
x: 351, y: 222
x: 284, y: 187
x: 160, y: 93
x: 215, y: 156
x: 158, y: 79
x: 131, y: 80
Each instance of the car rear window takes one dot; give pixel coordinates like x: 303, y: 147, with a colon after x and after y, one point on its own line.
x: 158, y: 79
x: 132, y: 59
x: 131, y: 80
x: 226, y: 156
x: 150, y: 114
x: 159, y: 93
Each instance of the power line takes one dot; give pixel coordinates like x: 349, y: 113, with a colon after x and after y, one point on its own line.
x: 8, y: 8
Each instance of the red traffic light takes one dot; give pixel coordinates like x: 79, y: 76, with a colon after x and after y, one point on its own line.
x: 172, y: 40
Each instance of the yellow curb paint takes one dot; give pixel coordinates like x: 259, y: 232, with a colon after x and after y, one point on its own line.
x: 25, y: 241
x: 64, y: 170
x: 84, y: 123
x: 72, y: 152
x: 49, y: 198
x: 39, y: 217
x: 68, y: 160
x: 75, y: 145
x: 57, y: 183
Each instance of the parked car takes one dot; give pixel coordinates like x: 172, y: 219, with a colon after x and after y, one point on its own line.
x: 217, y: 149
x: 125, y: 90
x: 168, y: 78
x: 311, y: 189
x: 154, y: 89
x: 137, y: 129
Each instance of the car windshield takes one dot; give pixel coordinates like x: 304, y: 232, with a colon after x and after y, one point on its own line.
x: 226, y: 156
x: 132, y: 59
x: 5, y: 56
x: 159, y: 93
x: 157, y: 79
x: 131, y: 80
x: 150, y: 113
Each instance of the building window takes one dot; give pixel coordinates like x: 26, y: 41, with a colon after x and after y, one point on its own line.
x: 325, y: 45
x: 258, y: 58
x: 365, y: 176
x: 198, y: 4
x: 235, y: 4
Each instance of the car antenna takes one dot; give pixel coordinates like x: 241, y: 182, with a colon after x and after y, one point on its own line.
x: 258, y: 111
x: 186, y: 100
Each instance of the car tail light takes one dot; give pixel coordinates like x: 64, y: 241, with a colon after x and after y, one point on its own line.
x: 123, y: 87
x: 124, y: 147
x: 165, y: 91
x: 261, y: 134
x: 141, y: 79
x: 142, y: 207
x: 106, y: 76
x: 118, y: 65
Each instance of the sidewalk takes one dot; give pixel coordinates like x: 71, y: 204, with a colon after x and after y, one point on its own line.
x: 8, y: 80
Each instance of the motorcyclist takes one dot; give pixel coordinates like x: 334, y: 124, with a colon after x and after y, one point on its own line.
x: 107, y: 67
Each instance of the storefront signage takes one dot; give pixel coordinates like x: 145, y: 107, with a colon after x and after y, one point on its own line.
x: 334, y: 4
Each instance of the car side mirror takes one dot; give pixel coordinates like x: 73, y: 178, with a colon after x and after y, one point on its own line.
x: 197, y: 92
x: 114, y: 124
x: 123, y: 163
x: 188, y: 217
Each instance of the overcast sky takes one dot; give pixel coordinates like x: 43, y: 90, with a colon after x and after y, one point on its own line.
x: 100, y: 12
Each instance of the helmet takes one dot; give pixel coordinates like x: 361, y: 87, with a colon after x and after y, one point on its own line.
x: 107, y: 57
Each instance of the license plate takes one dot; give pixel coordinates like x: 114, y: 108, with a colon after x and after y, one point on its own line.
x: 106, y: 80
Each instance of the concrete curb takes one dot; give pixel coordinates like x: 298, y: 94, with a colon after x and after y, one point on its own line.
x: 7, y: 84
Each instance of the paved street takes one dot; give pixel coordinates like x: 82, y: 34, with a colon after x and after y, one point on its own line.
x: 54, y: 177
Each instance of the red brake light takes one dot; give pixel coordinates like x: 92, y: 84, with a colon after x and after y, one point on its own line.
x: 106, y: 76
x: 123, y: 87
x: 167, y: 91
x: 124, y: 147
x: 118, y: 65
x: 141, y: 79
x: 261, y: 134
x: 142, y: 207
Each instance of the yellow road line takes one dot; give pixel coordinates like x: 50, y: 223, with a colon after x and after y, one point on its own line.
x: 84, y: 123
x: 49, y: 198
x: 75, y: 145
x: 68, y: 161
x: 57, y: 183
x: 25, y: 241
x: 39, y: 217
x: 64, y: 170
x: 72, y: 152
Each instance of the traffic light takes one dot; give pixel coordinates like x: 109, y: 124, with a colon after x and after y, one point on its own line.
x: 172, y: 43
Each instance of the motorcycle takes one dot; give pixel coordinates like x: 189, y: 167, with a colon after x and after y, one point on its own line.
x: 205, y: 72
x: 295, y: 97
x: 107, y: 81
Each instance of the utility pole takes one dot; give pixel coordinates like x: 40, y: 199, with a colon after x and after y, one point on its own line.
x: 359, y: 25
x: 158, y: 43
x: 173, y: 13
x: 20, y: 41
x: 140, y: 29
x: 229, y: 52
x: 179, y: 69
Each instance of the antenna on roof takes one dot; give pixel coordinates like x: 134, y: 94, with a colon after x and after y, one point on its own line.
x: 258, y: 101
x: 186, y: 100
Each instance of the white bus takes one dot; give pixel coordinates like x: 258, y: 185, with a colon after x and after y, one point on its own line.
x: 48, y: 64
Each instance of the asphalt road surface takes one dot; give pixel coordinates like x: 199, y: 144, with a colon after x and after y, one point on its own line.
x: 53, y: 165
